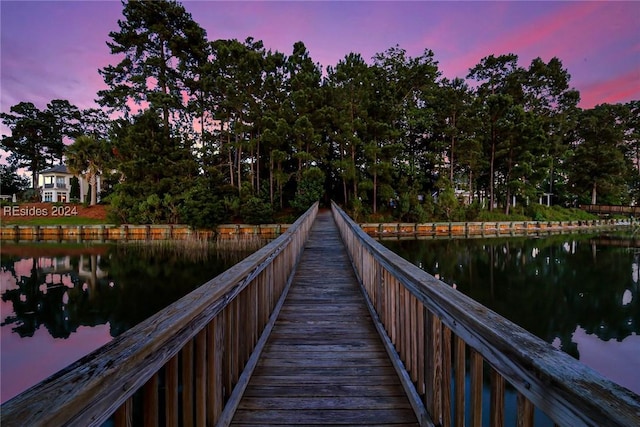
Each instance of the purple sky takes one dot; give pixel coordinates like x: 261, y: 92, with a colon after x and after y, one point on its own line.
x: 53, y: 49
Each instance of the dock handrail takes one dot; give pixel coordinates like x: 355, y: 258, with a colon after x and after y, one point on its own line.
x: 431, y: 327
x: 184, y: 362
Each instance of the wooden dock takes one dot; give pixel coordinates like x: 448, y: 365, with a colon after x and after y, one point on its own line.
x: 324, y: 362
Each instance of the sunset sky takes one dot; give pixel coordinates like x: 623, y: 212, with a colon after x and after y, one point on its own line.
x: 53, y: 49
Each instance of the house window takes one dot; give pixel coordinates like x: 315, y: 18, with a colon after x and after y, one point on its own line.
x: 48, y: 182
x: 62, y: 197
x: 48, y: 196
x: 60, y: 182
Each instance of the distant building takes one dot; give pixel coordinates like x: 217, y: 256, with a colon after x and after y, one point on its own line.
x: 55, y: 185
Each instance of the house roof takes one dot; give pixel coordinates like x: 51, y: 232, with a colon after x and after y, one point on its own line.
x: 57, y: 169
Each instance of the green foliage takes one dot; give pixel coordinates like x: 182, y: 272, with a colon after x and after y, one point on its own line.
x: 256, y: 211
x: 155, y: 168
x: 150, y: 211
x: 310, y: 189
x: 89, y: 196
x: 472, y: 211
x: 599, y: 165
x: 122, y: 207
x: 86, y: 157
x: 74, y: 191
x: 485, y: 215
x: 10, y: 182
x: 202, y: 208
x: 447, y: 206
x: 538, y: 212
x: 358, y: 210
x: 159, y: 45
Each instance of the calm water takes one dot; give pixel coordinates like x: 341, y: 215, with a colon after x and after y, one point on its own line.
x: 578, y: 292
x: 60, y: 302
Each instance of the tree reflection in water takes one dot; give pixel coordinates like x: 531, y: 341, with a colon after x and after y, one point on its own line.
x: 67, y: 288
x: 561, y: 288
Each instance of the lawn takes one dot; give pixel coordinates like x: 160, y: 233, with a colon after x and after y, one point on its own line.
x: 64, y: 220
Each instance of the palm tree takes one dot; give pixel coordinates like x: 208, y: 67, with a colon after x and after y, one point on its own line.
x: 84, y: 158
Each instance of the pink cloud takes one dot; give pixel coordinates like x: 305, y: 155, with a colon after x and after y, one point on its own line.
x: 621, y: 88
x: 524, y: 38
x: 595, y: 42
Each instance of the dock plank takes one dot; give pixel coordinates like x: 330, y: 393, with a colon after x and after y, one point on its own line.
x: 324, y: 363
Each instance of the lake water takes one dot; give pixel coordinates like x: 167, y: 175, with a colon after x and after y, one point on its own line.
x: 578, y: 292
x: 62, y: 301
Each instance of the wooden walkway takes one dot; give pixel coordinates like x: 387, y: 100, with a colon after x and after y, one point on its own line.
x: 324, y: 363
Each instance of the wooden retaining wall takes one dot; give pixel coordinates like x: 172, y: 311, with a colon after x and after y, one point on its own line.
x: 126, y: 232
x: 133, y: 232
x: 471, y: 229
x: 438, y: 333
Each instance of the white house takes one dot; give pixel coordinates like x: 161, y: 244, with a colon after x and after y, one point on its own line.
x: 55, y: 185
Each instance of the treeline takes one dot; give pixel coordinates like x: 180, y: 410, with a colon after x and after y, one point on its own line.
x: 208, y: 130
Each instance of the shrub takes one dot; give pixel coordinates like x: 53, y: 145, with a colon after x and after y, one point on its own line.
x: 310, y: 189
x: 256, y: 211
x: 539, y: 212
x: 201, y: 208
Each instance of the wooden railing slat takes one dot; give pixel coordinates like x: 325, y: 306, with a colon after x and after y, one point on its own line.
x: 214, y: 381
x: 446, y: 376
x: 429, y: 370
x: 436, y: 366
x: 460, y: 375
x: 187, y: 384
x: 418, y: 338
x: 123, y: 415
x: 475, y: 371
x: 201, y: 378
x: 171, y: 392
x: 151, y: 403
x: 524, y: 417
x: 496, y: 407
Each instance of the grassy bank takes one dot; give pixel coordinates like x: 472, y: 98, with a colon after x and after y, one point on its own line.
x: 64, y: 220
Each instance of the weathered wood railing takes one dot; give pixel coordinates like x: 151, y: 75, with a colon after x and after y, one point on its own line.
x: 435, y: 331
x: 182, y: 365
